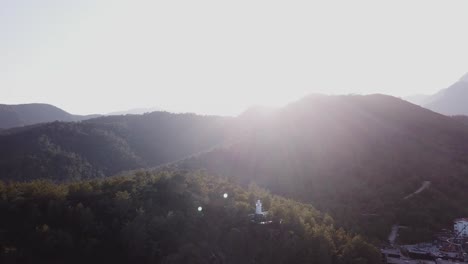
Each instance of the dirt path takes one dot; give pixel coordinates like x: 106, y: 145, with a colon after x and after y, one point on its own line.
x: 424, y: 186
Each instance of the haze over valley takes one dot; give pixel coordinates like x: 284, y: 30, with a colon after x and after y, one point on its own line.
x: 331, y: 132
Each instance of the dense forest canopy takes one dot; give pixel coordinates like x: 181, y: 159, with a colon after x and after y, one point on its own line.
x: 153, y: 218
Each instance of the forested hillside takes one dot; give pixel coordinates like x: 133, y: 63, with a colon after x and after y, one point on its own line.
x: 356, y: 157
x: 153, y: 218
x: 29, y: 114
x: 104, y: 146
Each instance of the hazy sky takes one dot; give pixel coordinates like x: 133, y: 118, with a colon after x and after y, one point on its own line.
x: 91, y: 56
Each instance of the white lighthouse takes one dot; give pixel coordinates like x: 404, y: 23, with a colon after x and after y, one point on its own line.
x: 260, y: 217
x: 258, y: 208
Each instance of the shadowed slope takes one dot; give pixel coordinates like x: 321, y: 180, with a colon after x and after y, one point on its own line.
x: 355, y: 156
x: 105, y: 146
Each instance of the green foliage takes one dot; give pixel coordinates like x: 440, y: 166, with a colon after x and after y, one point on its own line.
x: 153, y: 218
x: 353, y: 157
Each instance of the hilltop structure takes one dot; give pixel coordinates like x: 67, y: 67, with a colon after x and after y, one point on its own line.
x: 260, y: 217
x: 258, y: 208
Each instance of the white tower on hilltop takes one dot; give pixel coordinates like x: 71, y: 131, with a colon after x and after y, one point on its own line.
x: 258, y: 207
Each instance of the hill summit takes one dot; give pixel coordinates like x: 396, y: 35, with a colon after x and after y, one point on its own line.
x: 30, y: 114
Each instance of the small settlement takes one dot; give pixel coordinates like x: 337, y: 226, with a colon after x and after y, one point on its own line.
x: 449, y: 246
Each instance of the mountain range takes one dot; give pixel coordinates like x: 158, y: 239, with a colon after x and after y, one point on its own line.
x: 20, y: 115
x: 106, y: 145
x: 449, y: 101
x: 355, y: 157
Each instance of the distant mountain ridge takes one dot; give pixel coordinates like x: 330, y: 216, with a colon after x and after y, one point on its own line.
x: 30, y: 114
x: 136, y: 111
x: 449, y: 101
